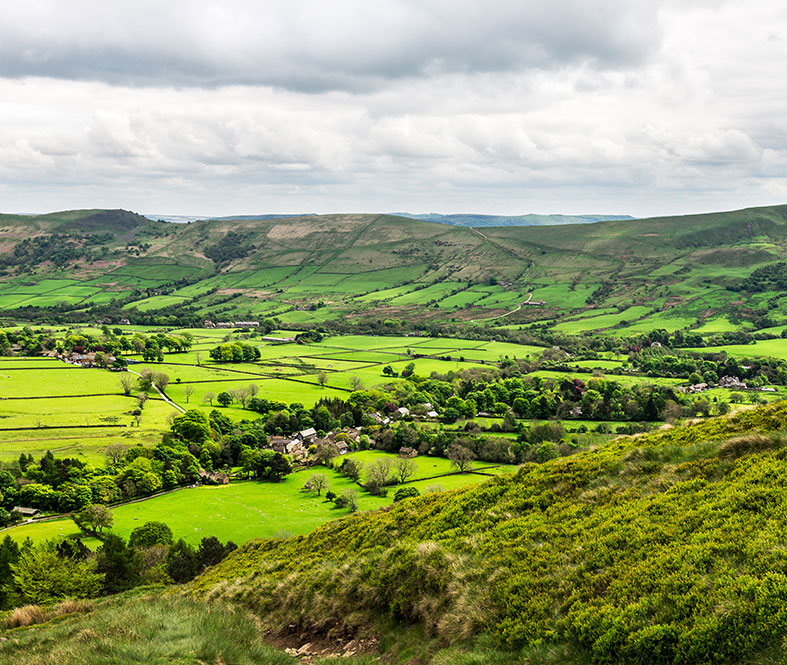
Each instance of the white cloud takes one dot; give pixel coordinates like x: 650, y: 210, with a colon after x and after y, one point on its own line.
x: 207, y: 108
x: 311, y: 44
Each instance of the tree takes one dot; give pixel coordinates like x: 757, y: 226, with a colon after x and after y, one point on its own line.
x: 405, y: 493
x: 378, y: 475
x: 94, y: 519
x: 404, y: 469
x: 248, y: 460
x: 278, y: 468
x: 355, y: 382
x: 322, y: 377
x: 351, y: 468
x: 145, y: 380
x: 41, y: 576
x: 316, y: 483
x: 188, y: 391
x: 461, y: 457
x: 224, y: 399
x: 116, y: 453
x: 127, y: 383
x: 9, y: 554
x: 198, y: 358
x: 347, y: 499
x: 161, y: 380
x: 208, y: 398
x: 192, y: 426
x: 182, y: 562
x: 242, y: 396
x: 149, y: 534
x: 118, y: 563
x: 211, y: 551
x: 324, y: 453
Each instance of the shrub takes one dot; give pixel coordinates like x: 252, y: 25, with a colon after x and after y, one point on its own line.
x: 405, y: 493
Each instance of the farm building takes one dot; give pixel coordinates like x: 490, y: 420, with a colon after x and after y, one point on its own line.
x: 307, y: 434
x: 26, y: 512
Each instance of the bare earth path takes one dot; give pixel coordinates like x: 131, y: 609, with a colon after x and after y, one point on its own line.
x: 163, y: 396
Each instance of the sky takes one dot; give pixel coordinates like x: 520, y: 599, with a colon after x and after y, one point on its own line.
x: 197, y: 107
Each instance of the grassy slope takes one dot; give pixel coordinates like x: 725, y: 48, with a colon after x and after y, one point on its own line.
x: 149, y: 628
x: 662, y: 548
x: 681, y: 263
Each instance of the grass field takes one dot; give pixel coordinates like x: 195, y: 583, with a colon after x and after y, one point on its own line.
x: 245, y: 510
x: 774, y: 348
x: 57, y: 402
x: 427, y: 467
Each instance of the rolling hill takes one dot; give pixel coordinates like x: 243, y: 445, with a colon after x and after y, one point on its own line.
x: 671, y: 273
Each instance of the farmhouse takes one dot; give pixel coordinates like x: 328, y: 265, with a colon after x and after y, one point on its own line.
x: 214, y: 477
x: 307, y: 434
x: 279, y: 444
x: 295, y: 449
x: 732, y: 382
x: 26, y: 512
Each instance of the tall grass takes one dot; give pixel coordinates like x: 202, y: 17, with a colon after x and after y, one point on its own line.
x: 149, y: 629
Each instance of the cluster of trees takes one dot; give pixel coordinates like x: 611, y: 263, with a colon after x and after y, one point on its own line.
x: 235, y: 352
x: 772, y: 277
x: 58, y: 249
x: 317, y: 483
x: 59, y: 569
x: 231, y: 247
x: 709, y: 367
x: 216, y: 442
x: 112, y: 341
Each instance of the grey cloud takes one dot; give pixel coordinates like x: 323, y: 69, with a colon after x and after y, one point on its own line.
x: 312, y: 44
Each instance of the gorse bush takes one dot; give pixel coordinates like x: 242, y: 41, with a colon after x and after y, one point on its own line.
x: 664, y: 548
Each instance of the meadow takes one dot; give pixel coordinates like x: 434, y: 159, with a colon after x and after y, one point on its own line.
x: 244, y: 510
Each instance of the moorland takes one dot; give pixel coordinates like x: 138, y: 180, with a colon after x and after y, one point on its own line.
x: 449, y: 444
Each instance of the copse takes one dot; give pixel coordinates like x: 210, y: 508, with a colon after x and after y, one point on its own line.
x: 235, y: 352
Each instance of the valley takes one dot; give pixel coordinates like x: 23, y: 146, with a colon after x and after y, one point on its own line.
x: 494, y: 444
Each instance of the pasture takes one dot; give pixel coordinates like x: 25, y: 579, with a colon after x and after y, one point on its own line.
x: 47, y: 404
x: 249, y: 509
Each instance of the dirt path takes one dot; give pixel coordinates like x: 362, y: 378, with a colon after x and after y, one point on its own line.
x: 513, y: 311
x: 163, y: 396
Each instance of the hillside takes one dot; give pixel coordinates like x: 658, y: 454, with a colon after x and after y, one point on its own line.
x: 624, y: 276
x: 663, y: 548
x: 658, y: 549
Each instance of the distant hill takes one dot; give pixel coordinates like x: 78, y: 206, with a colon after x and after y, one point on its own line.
x: 622, y: 276
x: 480, y: 221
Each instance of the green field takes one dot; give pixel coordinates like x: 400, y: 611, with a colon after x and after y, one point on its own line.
x: 245, y: 510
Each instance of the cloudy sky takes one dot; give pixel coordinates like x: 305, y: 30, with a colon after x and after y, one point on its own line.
x: 199, y: 107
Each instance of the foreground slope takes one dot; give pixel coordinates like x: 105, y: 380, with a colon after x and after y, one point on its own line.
x: 663, y: 548
x: 655, y: 549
